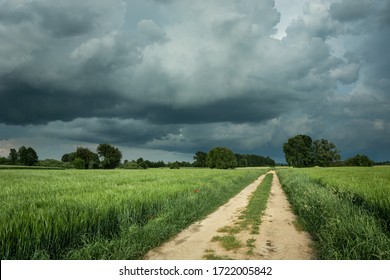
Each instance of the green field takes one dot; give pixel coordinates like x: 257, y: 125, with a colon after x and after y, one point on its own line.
x: 106, y: 214
x: 346, y: 209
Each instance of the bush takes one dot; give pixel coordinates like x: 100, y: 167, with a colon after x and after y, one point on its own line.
x: 174, y: 165
x: 359, y: 160
x: 130, y: 165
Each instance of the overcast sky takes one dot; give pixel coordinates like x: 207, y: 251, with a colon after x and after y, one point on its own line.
x: 163, y: 79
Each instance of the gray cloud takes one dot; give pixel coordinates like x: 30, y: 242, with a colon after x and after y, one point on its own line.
x: 185, y: 75
x: 347, y: 11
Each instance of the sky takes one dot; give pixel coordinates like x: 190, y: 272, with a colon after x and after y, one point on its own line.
x: 162, y: 79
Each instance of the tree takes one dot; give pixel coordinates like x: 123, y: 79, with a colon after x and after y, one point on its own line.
x: 251, y: 160
x: 241, y: 160
x: 4, y: 160
x: 200, y: 159
x: 302, y: 151
x: 13, y: 157
x: 359, y: 160
x: 144, y: 165
x: 174, y: 165
x: 27, y: 156
x: 79, y: 163
x: 221, y: 158
x: 130, y: 165
x: 65, y: 158
x: 111, y: 156
x: 88, y: 157
x: 325, y: 153
x: 298, y: 151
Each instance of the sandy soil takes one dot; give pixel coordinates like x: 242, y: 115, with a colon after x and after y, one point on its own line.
x: 278, y: 237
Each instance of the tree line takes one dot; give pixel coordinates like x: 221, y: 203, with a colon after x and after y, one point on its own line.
x: 224, y: 158
x: 302, y: 151
x: 22, y: 156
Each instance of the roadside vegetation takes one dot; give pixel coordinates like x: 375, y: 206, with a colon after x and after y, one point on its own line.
x: 249, y: 220
x: 106, y: 214
x: 346, y: 209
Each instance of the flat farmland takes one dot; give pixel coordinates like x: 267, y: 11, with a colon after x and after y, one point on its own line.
x: 106, y: 214
x: 345, y: 209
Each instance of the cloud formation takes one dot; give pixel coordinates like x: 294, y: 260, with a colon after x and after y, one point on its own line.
x: 187, y: 75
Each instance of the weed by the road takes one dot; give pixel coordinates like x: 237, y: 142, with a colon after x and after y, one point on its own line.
x: 228, y: 242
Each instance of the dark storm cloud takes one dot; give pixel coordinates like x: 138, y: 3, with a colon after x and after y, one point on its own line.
x: 25, y: 104
x: 183, y: 75
x: 350, y: 11
x: 127, y: 132
x: 52, y: 18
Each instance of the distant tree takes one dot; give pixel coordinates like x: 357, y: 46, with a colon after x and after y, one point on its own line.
x: 111, y: 156
x: 130, y: 165
x: 160, y: 164
x: 143, y: 164
x: 251, y: 160
x: 325, y: 153
x: 174, y: 165
x: 302, y: 151
x: 79, y: 163
x: 65, y: 158
x: 27, y: 156
x: 54, y: 163
x: 298, y: 151
x: 4, y: 160
x: 221, y: 158
x: 86, y: 155
x: 200, y: 159
x: 270, y: 162
x: 359, y: 160
x: 13, y: 157
x: 241, y: 160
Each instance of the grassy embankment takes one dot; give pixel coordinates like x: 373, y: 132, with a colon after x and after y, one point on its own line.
x: 346, y: 210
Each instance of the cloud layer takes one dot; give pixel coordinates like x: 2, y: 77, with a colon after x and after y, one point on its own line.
x: 179, y: 76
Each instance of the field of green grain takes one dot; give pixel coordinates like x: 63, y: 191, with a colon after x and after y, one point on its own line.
x: 346, y: 209
x: 106, y: 214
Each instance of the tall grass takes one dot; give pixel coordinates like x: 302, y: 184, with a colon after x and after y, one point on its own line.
x: 368, y: 188
x: 325, y: 201
x: 99, y: 214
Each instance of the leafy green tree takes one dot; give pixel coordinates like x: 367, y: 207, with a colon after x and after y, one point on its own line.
x: 86, y: 155
x: 302, y: 151
x: 200, y: 159
x: 144, y: 165
x: 111, y: 156
x: 130, y: 165
x: 53, y: 163
x: 250, y: 160
x: 359, y: 160
x: 79, y: 163
x: 27, y: 156
x: 174, y: 165
x: 65, y: 158
x: 13, y: 157
x: 4, y: 160
x: 221, y: 158
x: 298, y: 151
x: 325, y: 153
x: 241, y: 160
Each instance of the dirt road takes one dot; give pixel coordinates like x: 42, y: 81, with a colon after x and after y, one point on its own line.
x: 278, y: 237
